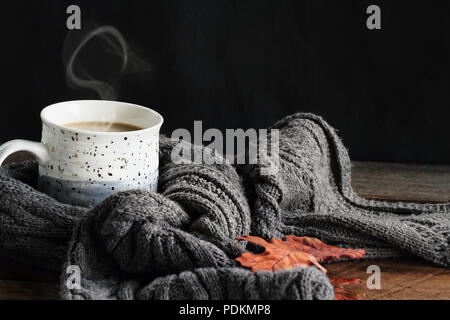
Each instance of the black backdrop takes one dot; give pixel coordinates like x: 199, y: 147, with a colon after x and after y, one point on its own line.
x: 247, y: 63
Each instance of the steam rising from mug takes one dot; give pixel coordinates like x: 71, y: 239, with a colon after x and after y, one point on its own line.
x: 98, y: 59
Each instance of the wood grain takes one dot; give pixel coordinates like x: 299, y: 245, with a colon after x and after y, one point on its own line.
x: 401, y: 279
x: 19, y: 157
x: 23, y: 290
x: 21, y: 282
x: 402, y: 182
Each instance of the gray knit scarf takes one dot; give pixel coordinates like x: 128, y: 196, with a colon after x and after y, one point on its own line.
x: 180, y: 243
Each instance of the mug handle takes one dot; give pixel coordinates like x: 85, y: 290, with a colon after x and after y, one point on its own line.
x: 39, y: 150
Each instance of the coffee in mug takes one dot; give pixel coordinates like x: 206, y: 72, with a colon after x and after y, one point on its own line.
x: 92, y: 149
x: 103, y: 126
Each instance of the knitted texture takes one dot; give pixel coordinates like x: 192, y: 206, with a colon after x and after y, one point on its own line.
x: 180, y: 243
x: 312, y: 195
x: 239, y: 284
x: 34, y: 228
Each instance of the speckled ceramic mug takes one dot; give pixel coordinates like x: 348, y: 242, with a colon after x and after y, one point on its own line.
x: 82, y: 167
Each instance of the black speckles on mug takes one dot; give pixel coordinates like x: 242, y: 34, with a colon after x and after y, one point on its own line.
x: 89, y: 193
x: 90, y: 163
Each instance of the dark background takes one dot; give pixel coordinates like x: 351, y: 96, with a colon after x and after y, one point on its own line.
x: 247, y: 63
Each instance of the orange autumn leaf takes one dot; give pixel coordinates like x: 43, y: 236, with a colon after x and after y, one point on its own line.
x: 300, y: 252
x: 340, y: 292
x: 291, y: 253
x: 278, y: 255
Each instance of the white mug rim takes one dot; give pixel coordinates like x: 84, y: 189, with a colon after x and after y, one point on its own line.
x: 155, y: 127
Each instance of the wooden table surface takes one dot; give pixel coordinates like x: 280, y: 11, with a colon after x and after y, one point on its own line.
x: 400, y: 278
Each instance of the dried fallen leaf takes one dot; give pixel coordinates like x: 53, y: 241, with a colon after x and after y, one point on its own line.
x: 322, y: 251
x: 278, y: 255
x: 293, y: 252
x: 340, y: 292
